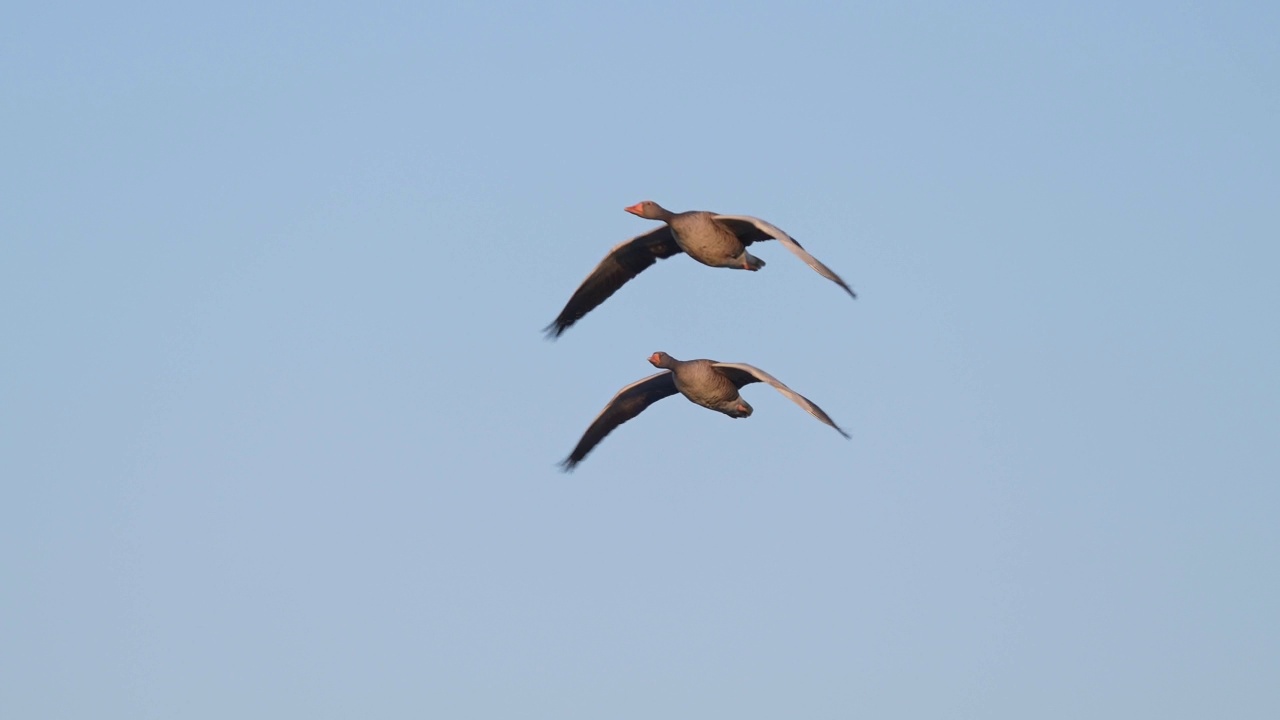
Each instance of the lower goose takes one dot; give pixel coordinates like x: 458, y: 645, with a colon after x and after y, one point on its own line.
x: 708, y: 383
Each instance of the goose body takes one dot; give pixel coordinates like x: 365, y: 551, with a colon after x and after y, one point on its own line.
x: 713, y: 385
x: 710, y: 238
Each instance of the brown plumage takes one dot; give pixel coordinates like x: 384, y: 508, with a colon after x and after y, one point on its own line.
x: 711, y: 239
x: 708, y: 383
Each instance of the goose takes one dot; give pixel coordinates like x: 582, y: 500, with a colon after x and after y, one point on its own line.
x: 711, y: 239
x: 708, y: 383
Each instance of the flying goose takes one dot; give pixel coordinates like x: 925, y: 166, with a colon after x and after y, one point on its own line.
x: 709, y: 238
x: 708, y: 383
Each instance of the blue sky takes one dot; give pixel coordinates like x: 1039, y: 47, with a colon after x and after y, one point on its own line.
x: 279, y: 428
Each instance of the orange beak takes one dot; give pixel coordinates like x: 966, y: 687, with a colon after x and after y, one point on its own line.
x: 654, y: 358
x: 634, y: 209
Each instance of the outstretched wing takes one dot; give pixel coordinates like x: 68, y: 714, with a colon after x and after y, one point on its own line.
x: 753, y: 229
x: 743, y: 374
x: 628, y: 403
x: 625, y: 261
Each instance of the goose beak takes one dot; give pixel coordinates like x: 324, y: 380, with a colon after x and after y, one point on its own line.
x: 634, y: 209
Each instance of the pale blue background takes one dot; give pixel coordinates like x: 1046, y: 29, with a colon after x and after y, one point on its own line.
x: 278, y: 428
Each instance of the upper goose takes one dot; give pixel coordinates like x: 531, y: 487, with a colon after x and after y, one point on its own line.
x: 709, y: 238
x: 708, y: 383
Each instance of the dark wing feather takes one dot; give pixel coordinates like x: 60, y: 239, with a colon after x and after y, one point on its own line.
x: 628, y: 403
x: 747, y: 232
x: 743, y: 374
x: 737, y: 376
x: 752, y: 229
x: 625, y: 261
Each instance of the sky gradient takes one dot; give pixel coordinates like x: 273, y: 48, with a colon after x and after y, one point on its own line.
x: 279, y: 427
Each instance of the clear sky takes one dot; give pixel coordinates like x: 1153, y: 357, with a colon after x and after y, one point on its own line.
x: 279, y: 428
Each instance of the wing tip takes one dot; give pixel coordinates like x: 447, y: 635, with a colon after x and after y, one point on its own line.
x: 840, y: 281
x: 554, y: 330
